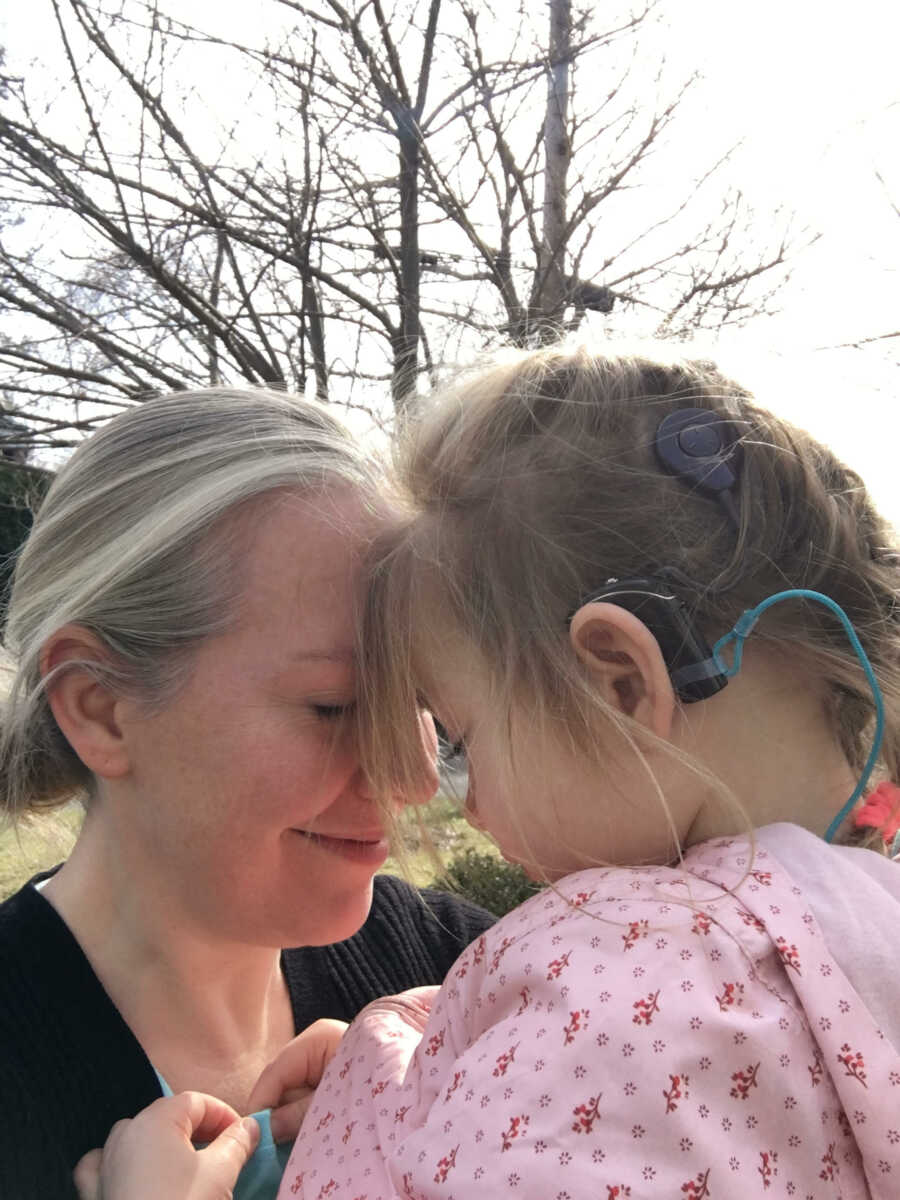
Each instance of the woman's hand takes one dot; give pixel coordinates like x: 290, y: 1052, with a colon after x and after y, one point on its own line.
x: 287, y: 1084
x: 152, y: 1155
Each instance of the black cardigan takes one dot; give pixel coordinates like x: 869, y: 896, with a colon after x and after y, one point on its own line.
x: 70, y: 1067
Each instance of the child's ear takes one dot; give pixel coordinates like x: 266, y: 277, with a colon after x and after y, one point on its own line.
x: 83, y: 706
x: 626, y: 663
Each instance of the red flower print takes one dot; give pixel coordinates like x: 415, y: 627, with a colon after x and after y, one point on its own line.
x: 749, y: 919
x: 615, y: 1192
x: 702, y: 923
x: 555, y: 968
x: 816, y: 1071
x: 400, y: 1114
x: 325, y: 1121
x: 788, y: 954
x: 348, y: 1130
x: 678, y: 1091
x: 743, y: 1081
x: 435, y: 1043
x: 517, y: 1127
x: 636, y: 931
x: 458, y: 1077
x: 644, y: 1009
x: 578, y: 1020
x: 587, y: 1114
x: 504, y: 1060
x: 696, y: 1189
x: 829, y: 1166
x: 732, y: 995
x: 581, y: 898
x: 763, y: 877
x: 525, y: 993
x: 298, y: 1183
x: 498, y: 954
x: 445, y: 1165
x: 327, y: 1189
x: 767, y: 1168
x: 853, y: 1063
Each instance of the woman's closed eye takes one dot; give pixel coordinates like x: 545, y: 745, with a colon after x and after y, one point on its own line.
x: 332, y: 712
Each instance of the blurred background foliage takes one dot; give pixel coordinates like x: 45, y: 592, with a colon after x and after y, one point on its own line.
x: 441, y: 850
x: 22, y: 488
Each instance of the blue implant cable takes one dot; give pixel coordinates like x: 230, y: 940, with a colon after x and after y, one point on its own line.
x: 741, y: 631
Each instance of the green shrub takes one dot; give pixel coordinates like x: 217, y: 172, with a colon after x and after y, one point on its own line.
x: 487, y: 880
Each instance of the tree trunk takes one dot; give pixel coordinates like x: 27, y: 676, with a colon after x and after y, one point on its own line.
x: 406, y: 341
x: 548, y: 297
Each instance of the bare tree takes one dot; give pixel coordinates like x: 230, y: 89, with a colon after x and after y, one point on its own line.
x: 373, y: 194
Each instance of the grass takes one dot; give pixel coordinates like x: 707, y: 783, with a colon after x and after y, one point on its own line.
x: 441, y: 823
x: 34, y: 845
x: 44, y: 841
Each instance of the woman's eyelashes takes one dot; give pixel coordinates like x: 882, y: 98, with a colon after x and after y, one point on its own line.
x: 333, y: 712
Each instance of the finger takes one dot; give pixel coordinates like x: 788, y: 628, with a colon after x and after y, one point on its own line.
x: 300, y: 1064
x: 201, y: 1118
x: 285, y: 1121
x: 275, y: 1079
x: 207, y: 1116
x: 87, y: 1175
x: 231, y: 1149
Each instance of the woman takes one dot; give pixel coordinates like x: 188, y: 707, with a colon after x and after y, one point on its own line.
x: 182, y: 615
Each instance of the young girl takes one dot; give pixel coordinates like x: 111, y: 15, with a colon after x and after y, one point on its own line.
x: 703, y: 1001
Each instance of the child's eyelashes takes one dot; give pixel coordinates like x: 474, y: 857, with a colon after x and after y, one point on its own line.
x: 453, y: 753
x: 451, y: 749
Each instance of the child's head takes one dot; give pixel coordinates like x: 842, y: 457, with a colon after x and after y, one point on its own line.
x: 525, y: 489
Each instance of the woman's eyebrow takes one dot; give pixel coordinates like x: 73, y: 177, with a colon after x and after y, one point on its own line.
x: 338, y: 656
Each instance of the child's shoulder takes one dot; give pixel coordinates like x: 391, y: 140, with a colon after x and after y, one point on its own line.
x: 628, y: 903
x: 714, y: 890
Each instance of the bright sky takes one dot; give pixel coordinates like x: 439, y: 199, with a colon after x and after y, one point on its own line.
x: 811, y: 88
x: 812, y: 84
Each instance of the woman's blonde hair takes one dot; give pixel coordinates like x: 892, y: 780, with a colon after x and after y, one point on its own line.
x: 133, y: 543
x: 527, y: 486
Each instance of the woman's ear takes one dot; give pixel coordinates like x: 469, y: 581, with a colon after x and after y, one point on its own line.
x: 83, y: 706
x: 626, y: 663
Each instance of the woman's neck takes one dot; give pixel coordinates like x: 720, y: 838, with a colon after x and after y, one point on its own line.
x: 208, y: 1013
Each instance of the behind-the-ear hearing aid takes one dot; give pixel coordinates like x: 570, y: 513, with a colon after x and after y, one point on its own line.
x: 692, y: 667
x: 700, y: 446
x: 698, y: 672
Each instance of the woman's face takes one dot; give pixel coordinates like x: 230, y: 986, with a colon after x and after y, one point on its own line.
x: 245, y: 801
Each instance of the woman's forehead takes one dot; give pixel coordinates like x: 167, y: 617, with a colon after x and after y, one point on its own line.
x: 302, y: 568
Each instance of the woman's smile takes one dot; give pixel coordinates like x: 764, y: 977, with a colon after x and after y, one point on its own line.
x: 369, y: 849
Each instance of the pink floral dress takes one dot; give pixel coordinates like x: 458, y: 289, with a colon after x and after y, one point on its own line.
x: 652, y: 1032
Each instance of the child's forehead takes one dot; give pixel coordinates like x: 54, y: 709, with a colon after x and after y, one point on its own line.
x: 446, y: 667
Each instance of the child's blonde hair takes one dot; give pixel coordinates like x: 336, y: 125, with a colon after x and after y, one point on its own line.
x: 528, y: 485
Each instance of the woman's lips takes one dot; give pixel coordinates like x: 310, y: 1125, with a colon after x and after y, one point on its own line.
x: 366, y: 848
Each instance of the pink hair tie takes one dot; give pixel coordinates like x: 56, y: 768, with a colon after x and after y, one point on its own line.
x: 881, y: 811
